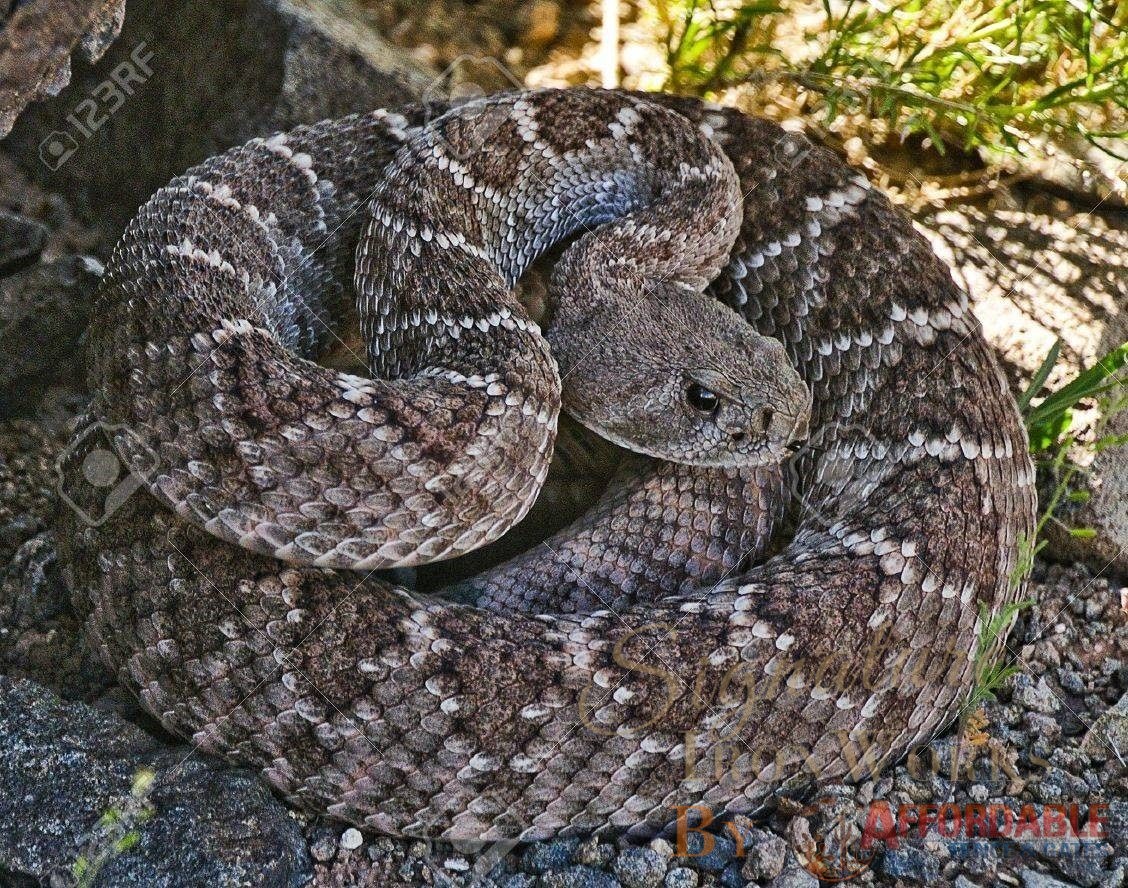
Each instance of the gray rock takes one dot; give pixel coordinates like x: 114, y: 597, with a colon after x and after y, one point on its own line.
x: 219, y: 73
x: 1116, y: 877
x: 351, y: 839
x: 1038, y: 697
x: 911, y: 863
x: 28, y: 501
x: 731, y: 877
x: 640, y: 868
x: 681, y: 877
x: 981, y: 857
x: 40, y: 39
x: 543, y: 857
x: 764, y: 855
x: 709, y: 859
x: 1110, y: 730
x: 43, y: 312
x: 138, y: 812
x: 593, y: 852
x: 1117, y: 823
x: 578, y: 877
x: 1086, y: 865
x: 795, y: 877
x: 1031, y: 878
x: 40, y: 635
x: 1058, y: 787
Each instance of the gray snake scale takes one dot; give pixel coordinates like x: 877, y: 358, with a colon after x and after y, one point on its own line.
x: 637, y: 661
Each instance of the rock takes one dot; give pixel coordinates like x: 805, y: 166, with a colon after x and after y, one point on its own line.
x: 911, y: 863
x: 709, y: 859
x: 1086, y: 865
x: 39, y: 38
x: 152, y: 814
x: 1056, y: 787
x: 1117, y: 824
x: 40, y: 635
x: 681, y: 877
x: 43, y: 312
x: 351, y: 839
x: 640, y: 868
x: 578, y: 877
x: 543, y: 857
x: 322, y: 844
x: 1031, y: 878
x: 795, y: 877
x: 731, y: 876
x: 764, y: 855
x: 1038, y: 697
x: 1110, y: 730
x: 207, y: 76
x: 593, y: 852
x: 27, y: 485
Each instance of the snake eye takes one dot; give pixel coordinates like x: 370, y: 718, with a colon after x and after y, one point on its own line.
x: 701, y: 398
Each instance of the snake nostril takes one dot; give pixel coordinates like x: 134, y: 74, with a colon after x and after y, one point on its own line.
x: 766, y: 417
x: 737, y: 437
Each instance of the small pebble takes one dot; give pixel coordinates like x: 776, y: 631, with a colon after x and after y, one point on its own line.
x: 795, y: 877
x: 640, y: 868
x: 323, y: 848
x: 351, y: 839
x: 681, y: 877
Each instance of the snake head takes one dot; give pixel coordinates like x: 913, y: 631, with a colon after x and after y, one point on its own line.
x: 682, y: 378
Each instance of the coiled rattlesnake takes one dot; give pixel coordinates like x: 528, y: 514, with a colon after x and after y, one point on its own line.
x: 635, y: 662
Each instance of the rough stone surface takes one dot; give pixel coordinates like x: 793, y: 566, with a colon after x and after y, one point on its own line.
x: 43, y: 312
x: 640, y: 868
x: 36, y: 45
x: 220, y: 74
x: 27, y: 494
x: 765, y: 855
x: 198, y: 823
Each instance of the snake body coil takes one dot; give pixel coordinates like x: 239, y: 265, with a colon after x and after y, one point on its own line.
x: 634, y: 662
